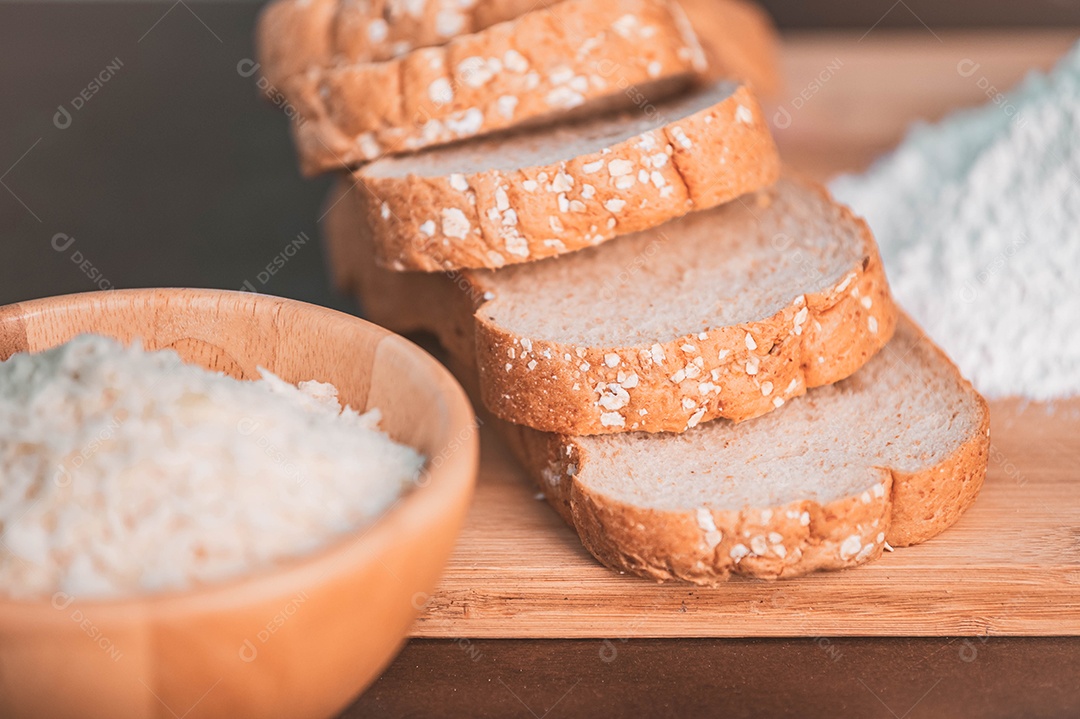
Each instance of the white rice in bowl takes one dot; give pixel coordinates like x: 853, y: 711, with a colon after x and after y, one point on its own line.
x: 128, y: 472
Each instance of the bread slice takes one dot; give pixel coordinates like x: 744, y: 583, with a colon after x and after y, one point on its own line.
x: 294, y: 36
x: 894, y: 454
x: 723, y: 313
x: 576, y: 58
x: 505, y: 200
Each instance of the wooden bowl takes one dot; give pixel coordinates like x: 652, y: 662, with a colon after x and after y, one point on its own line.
x: 303, y: 639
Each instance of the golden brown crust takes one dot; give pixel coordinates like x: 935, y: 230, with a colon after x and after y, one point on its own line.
x: 898, y: 508
x: 403, y: 302
x: 294, y: 36
x: 492, y: 218
x: 656, y: 544
x: 768, y: 543
x: 929, y: 502
x: 542, y: 65
x: 361, y: 77
x: 907, y: 509
x: 370, y: 31
x: 819, y: 338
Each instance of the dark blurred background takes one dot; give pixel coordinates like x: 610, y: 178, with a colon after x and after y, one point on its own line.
x: 862, y: 14
x: 173, y: 173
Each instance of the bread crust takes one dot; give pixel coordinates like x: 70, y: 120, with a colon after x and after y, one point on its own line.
x: 373, y: 31
x: 542, y: 65
x: 817, y: 339
x: 494, y: 218
x: 573, y: 390
x: 293, y: 36
x: 927, y: 503
x: 898, y: 508
x: 384, y: 49
x: 908, y: 509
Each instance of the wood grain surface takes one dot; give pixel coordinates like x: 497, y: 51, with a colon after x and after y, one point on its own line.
x: 1011, y: 566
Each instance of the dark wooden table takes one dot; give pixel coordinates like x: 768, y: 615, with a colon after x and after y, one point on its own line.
x: 169, y: 171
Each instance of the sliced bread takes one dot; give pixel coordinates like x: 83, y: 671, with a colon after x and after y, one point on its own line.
x: 722, y: 313
x: 294, y: 36
x: 894, y: 454
x: 505, y: 200
x: 575, y: 58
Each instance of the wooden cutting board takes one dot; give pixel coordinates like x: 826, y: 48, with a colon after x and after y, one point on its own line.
x: 1011, y: 566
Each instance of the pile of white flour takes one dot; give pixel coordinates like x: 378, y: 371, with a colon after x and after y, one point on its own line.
x: 124, y: 471
x: 978, y: 219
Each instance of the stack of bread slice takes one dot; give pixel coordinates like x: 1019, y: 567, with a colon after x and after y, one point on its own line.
x: 694, y: 353
x: 389, y: 76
